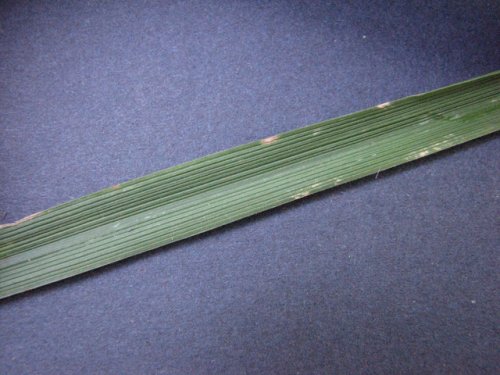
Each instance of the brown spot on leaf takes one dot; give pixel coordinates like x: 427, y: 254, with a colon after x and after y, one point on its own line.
x: 383, y: 105
x: 116, y: 186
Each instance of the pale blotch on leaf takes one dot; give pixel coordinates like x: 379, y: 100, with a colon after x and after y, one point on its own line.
x: 337, y: 181
x: 384, y: 105
x: 269, y: 140
x: 26, y: 218
x: 301, y: 195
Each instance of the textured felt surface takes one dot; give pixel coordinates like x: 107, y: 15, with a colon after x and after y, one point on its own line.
x: 395, y: 274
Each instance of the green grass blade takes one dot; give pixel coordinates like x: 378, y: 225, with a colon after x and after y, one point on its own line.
x: 206, y: 193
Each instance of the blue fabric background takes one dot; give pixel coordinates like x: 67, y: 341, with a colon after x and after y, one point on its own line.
x: 397, y: 274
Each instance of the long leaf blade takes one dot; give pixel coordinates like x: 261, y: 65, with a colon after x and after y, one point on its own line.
x: 209, y: 192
